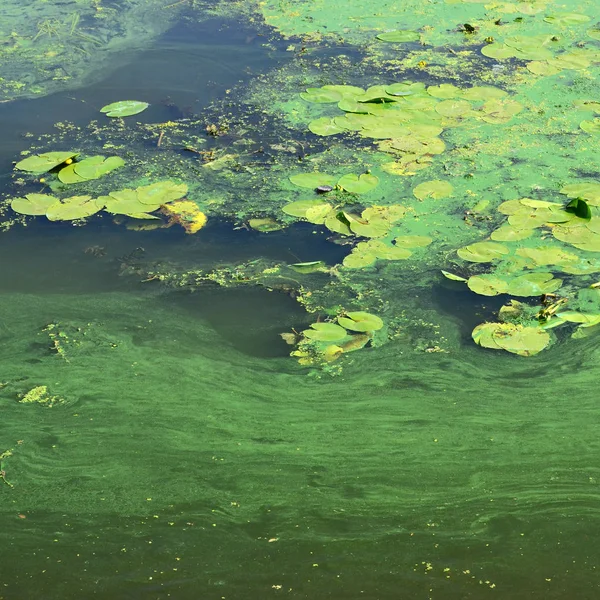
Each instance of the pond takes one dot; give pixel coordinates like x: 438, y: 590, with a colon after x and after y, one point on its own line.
x: 326, y: 323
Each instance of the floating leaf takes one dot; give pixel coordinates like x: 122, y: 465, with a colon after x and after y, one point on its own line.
x: 161, y: 192
x: 42, y: 163
x: 337, y: 222
x: 412, y: 241
x: 435, y: 189
x: 127, y: 202
x: 75, y: 207
x: 96, y: 166
x: 517, y: 339
x: 300, y: 208
x: 360, y: 321
x: 67, y: 175
x: 567, y: 19
x: 185, y: 213
x: 33, y: 204
x: 487, y: 285
x: 444, y: 91
x: 376, y: 227
x: 312, y: 180
x: 325, y: 332
x: 591, y: 126
x: 358, y: 184
x: 308, y: 267
x: 533, y: 284
x: 547, y: 255
x: 482, y: 252
x: 265, y: 225
x: 580, y: 208
x: 588, y: 191
x: 325, y: 126
x: 508, y: 233
x: 542, y: 68
x: 359, y: 260
x: 483, y: 335
x: 124, y: 108
x: 453, y: 277
x: 453, y: 108
x: 400, y: 35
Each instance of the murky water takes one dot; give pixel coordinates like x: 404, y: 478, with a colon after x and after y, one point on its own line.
x: 193, y: 458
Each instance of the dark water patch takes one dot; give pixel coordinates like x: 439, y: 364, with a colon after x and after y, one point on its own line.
x: 54, y: 257
x: 178, y: 76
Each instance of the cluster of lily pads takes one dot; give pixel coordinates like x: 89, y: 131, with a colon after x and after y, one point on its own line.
x: 72, y: 170
x: 327, y: 341
x: 408, y: 117
x: 528, y: 270
x: 138, y: 203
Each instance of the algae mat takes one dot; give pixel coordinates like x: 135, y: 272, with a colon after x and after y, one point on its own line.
x: 426, y: 178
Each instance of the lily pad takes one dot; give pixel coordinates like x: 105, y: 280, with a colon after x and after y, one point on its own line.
x: 435, y: 189
x: 96, y: 166
x: 42, y: 163
x: 75, y: 207
x: 358, y: 184
x: 312, y: 180
x: 301, y: 208
x: 375, y: 228
x: 487, y: 285
x: 483, y: 252
x: 591, y: 126
x: 325, y: 332
x: 161, y: 192
x: 360, y: 321
x: 589, y: 191
x: 124, y: 108
x: 265, y: 225
x: 321, y: 95
x: 33, y: 204
x: 325, y: 126
x: 517, y: 339
x: 412, y: 241
x: 565, y: 19
x: 533, y: 284
x: 126, y: 202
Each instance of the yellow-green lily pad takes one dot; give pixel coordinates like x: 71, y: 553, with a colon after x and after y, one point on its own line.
x: 75, y: 207
x: 360, y: 321
x: 325, y: 332
x: 33, y: 204
x: 42, y: 163
x: 435, y: 189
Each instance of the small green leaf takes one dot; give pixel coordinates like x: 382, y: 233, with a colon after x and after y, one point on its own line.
x: 124, y: 108
x: 401, y: 35
x: 360, y: 321
x: 580, y: 208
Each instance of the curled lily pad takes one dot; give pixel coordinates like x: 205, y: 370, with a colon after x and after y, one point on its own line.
x: 435, y: 189
x: 400, y: 35
x: 124, y: 108
x: 453, y: 277
x: 325, y: 332
x: 360, y: 321
x: 33, y: 204
x: 309, y: 267
x: 75, y: 207
x: 42, y: 163
x: 312, y: 180
x: 358, y: 184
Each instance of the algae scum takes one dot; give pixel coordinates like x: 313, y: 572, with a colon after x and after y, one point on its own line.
x: 312, y: 312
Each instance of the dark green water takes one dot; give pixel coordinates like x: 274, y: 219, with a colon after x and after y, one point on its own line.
x: 194, y: 459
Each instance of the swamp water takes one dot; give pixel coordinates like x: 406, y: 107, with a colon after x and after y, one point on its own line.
x: 157, y: 438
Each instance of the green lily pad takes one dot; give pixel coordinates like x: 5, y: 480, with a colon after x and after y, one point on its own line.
x: 338, y: 223
x: 544, y: 68
x: 508, y: 233
x: 594, y: 33
x: 126, y: 202
x: 444, y: 91
x: 75, y: 207
x: 161, y: 192
x: 359, y: 260
x: 589, y: 191
x: 33, y: 204
x: 483, y: 335
x: 358, y: 184
x: 591, y: 126
x: 360, y: 321
x: 567, y: 19
x: 42, y: 163
x: 453, y: 108
x: 301, y: 208
x: 482, y: 252
x: 265, y: 225
x: 533, y: 284
x: 67, y: 175
x: 312, y: 180
x: 124, y: 108
x: 325, y: 126
x: 517, y: 339
x: 376, y: 227
x: 547, y: 255
x: 325, y: 332
x: 435, y: 189
x: 400, y: 35
x: 487, y: 285
x: 498, y: 51
x: 481, y: 93
x: 96, y: 166
x: 308, y: 267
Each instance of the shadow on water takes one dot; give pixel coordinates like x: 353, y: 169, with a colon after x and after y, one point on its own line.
x: 190, y: 66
